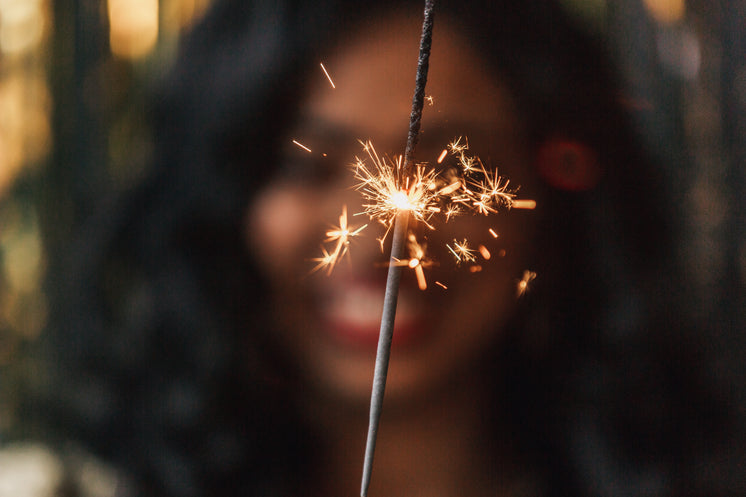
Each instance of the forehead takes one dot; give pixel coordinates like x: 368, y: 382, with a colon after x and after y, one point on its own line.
x: 374, y: 73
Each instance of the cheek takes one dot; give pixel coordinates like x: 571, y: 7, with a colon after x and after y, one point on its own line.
x: 279, y: 226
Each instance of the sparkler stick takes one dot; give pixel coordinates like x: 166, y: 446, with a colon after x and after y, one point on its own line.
x: 397, y: 249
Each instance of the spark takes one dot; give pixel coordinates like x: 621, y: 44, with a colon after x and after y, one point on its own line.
x: 456, y: 147
x: 493, y: 233
x: 451, y: 210
x: 327, y: 75
x: 343, y: 232
x: 387, y: 192
x: 441, y: 285
x: 492, y: 192
x: 485, y: 253
x: 341, y: 236
x: 417, y: 261
x: 523, y: 204
x: 461, y: 251
x: 302, y: 146
x: 442, y: 155
x: 522, y: 287
x: 326, y: 261
x: 430, y: 100
x: 467, y: 162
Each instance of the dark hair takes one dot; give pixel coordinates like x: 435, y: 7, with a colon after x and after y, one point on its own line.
x: 149, y: 364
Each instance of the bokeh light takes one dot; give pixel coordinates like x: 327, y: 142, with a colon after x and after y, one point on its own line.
x: 21, y: 25
x: 133, y: 27
x: 666, y: 11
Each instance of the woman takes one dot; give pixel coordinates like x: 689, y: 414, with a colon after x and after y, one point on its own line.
x: 195, y: 352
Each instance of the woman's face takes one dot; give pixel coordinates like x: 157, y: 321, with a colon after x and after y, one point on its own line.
x: 328, y: 324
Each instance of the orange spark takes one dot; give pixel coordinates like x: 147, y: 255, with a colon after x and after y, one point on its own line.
x: 442, y: 155
x: 461, y: 251
x: 485, y: 253
x: 341, y: 236
x: 327, y: 75
x: 523, y: 204
x: 528, y: 276
x: 302, y: 146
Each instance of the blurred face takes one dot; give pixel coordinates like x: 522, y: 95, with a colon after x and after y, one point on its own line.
x: 328, y: 324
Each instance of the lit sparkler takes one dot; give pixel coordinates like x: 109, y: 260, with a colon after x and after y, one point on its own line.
x: 388, y: 192
x: 397, y: 191
x: 428, y: 192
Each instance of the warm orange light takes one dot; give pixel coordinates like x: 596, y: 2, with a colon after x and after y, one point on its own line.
x: 485, y: 253
x: 301, y: 145
x: 523, y: 204
x: 327, y: 75
x: 21, y: 25
x: 133, y: 27
x: 665, y: 11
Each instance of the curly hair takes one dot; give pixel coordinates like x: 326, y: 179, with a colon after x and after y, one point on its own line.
x: 150, y: 366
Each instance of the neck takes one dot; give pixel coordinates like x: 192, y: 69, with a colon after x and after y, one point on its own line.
x: 437, y: 447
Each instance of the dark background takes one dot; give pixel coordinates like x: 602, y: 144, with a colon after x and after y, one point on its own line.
x: 74, y: 130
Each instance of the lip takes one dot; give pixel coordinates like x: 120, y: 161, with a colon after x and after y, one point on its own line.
x: 350, y: 314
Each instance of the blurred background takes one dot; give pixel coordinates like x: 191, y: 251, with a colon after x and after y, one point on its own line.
x: 76, y: 75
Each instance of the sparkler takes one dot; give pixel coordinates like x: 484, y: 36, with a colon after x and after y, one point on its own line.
x: 401, y: 220
x: 397, y: 191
